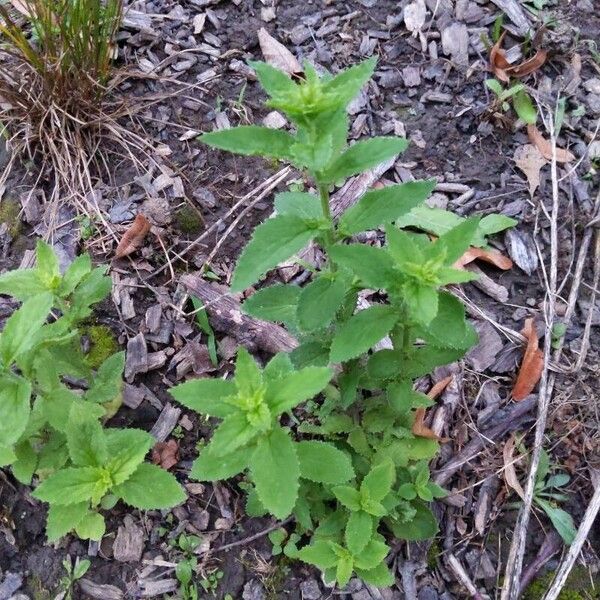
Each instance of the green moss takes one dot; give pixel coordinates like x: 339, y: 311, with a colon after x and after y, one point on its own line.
x: 9, y: 214
x: 37, y: 590
x: 578, y: 586
x: 432, y: 554
x: 188, y: 220
x: 103, y: 344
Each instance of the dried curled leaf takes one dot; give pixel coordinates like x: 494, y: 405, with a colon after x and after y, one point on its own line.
x: 503, y: 70
x: 545, y: 146
x: 166, y: 454
x: 419, y: 428
x: 532, y: 365
x: 134, y: 237
x: 530, y: 65
x: 530, y: 160
x: 276, y: 54
x: 510, y: 473
x: 494, y: 257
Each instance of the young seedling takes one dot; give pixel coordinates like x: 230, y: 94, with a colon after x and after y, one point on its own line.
x: 75, y: 571
x: 342, y: 481
x: 517, y: 96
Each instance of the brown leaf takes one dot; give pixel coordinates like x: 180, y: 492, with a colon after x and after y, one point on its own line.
x: 134, y: 237
x: 276, y: 54
x: 530, y: 160
x: 510, y: 473
x: 419, y: 428
x: 528, y: 66
x: 166, y: 454
x: 545, y: 146
x: 532, y: 365
x: 498, y: 60
x: 494, y: 257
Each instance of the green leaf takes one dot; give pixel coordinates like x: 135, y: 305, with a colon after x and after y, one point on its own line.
x: 323, y: 462
x: 349, y: 82
x: 344, y: 570
x: 362, y: 156
x: 452, y: 245
x: 433, y: 220
x: 204, y: 324
x: 91, y: 527
x: 385, y: 205
x: 380, y: 576
x: 299, y: 204
x: 285, y: 393
x: 359, y: 531
x: 72, y: 485
x: 319, y: 553
x: 74, y: 274
x: 25, y: 465
x: 562, y: 520
x: 93, y: 288
x: 524, y: 107
x: 47, y: 264
x: 234, y: 432
x: 206, y: 396
x: 403, y: 247
x: 14, y: 408
x: 274, y: 303
x: 422, y: 301
x: 362, y: 331
x: 108, y: 381
x: 86, y: 442
x: 491, y: 224
x: 274, y: 81
x: 18, y: 335
x: 273, y: 241
x: 210, y: 467
x: 313, y: 353
x: 22, y: 284
x: 251, y: 140
x: 373, y: 266
x: 421, y: 527
x: 7, y: 456
x: 276, y: 472
x: 248, y: 376
x: 319, y: 301
x: 151, y: 487
x: 63, y: 519
x: 347, y: 496
x: 378, y: 481
x: 279, y: 366
x: 126, y: 449
x: 495, y: 86
x: 373, y: 554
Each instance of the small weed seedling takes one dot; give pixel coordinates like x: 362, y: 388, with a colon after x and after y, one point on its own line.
x: 75, y: 571
x: 51, y: 431
x: 515, y: 95
x: 186, y: 566
x: 325, y: 433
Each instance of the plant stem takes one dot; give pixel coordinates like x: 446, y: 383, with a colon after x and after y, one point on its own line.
x: 330, y: 233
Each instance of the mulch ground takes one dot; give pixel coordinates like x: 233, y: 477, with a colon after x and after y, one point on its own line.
x: 189, y: 74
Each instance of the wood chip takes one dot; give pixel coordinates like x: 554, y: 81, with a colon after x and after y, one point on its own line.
x: 98, y: 591
x: 166, y: 422
x: 521, y: 248
x: 276, y: 54
x: 137, y: 357
x: 129, y: 543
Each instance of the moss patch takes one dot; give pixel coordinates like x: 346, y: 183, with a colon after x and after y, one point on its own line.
x: 9, y: 214
x: 578, y: 586
x: 188, y: 220
x: 103, y: 344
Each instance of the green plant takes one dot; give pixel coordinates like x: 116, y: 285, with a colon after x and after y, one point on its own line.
x: 53, y: 431
x: 186, y: 566
x: 75, y: 571
x: 519, y: 98
x: 347, y: 464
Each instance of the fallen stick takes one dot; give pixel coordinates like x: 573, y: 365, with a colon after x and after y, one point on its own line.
x: 510, y: 420
x: 226, y: 315
x: 459, y: 571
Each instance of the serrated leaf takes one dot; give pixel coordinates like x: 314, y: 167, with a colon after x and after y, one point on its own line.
x: 19, y: 333
x: 372, y: 555
x: 248, y: 376
x: 22, y: 284
x: 86, y: 442
x: 347, y: 496
x: 72, y: 486
x: 274, y: 81
x: 234, y: 432
x: 311, y: 353
x: 251, y: 140
x: 319, y: 553
x: 15, y: 394
x: 76, y: 271
x: 26, y: 462
x: 378, y: 207
x: 108, y: 381
x: 453, y: 244
x: 284, y: 394
x: 47, y: 263
x: 276, y: 472
x: 91, y: 527
x: 274, y: 303
x: 422, y: 526
x: 206, y: 396
x: 362, y: 156
x: 378, y: 482
x: 126, y: 450
x: 63, y: 519
x: 344, y: 569
x: 373, y: 266
x: 380, y: 576
x: 422, y: 301
x: 273, y: 241
x: 359, y: 531
x: 151, y: 487
x: 210, y: 467
x: 323, y: 462
x: 362, y: 331
x: 300, y: 204
x: 349, y: 82
x: 319, y: 301
x: 279, y: 366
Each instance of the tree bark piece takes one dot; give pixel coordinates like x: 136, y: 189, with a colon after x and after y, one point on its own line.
x: 225, y: 314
